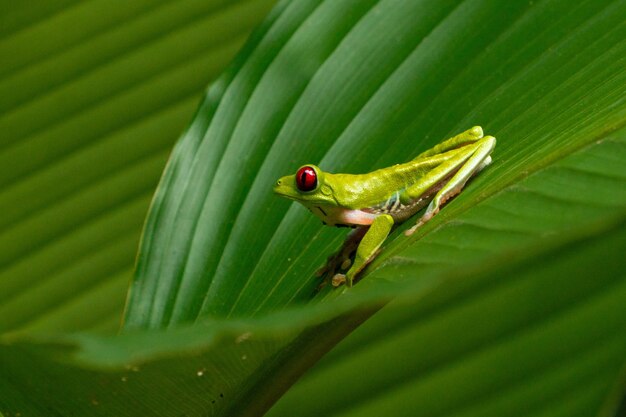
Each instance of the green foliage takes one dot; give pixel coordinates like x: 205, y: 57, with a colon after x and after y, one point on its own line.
x: 510, y: 301
x: 93, y: 97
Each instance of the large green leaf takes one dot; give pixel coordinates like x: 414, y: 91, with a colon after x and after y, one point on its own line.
x: 92, y: 97
x: 511, y: 300
x: 355, y: 87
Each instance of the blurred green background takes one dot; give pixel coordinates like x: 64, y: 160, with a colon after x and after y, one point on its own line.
x: 93, y: 96
x: 511, y: 301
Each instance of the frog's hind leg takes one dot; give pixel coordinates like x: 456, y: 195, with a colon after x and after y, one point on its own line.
x: 464, y: 167
x: 469, y: 136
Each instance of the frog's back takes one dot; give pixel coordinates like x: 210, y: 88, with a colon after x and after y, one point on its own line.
x: 377, y: 190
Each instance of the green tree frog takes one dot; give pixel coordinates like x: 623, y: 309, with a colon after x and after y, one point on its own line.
x: 374, y: 203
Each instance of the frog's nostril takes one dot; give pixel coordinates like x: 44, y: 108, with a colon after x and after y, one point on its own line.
x: 278, y: 182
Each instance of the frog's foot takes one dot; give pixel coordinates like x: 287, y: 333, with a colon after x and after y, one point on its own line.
x: 339, y: 262
x: 342, y: 259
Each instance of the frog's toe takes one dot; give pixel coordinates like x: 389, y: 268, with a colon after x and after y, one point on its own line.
x: 345, y: 265
x: 412, y: 230
x: 321, y: 272
x: 321, y: 285
x: 483, y: 164
x: 476, y: 132
x: 338, y: 279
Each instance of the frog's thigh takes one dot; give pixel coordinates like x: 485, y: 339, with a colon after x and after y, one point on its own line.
x: 437, y: 174
x: 477, y: 161
x: 466, y: 166
x: 375, y: 236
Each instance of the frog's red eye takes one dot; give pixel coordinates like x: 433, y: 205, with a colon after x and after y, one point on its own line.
x: 306, y: 179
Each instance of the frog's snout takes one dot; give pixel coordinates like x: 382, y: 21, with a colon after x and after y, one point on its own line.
x: 284, y: 186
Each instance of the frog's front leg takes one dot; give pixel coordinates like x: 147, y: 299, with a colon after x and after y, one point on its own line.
x: 375, y: 236
x: 465, y: 165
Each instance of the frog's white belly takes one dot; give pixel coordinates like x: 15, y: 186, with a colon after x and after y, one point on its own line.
x: 337, y: 216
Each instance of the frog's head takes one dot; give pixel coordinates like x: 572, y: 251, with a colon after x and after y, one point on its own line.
x: 307, y: 186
